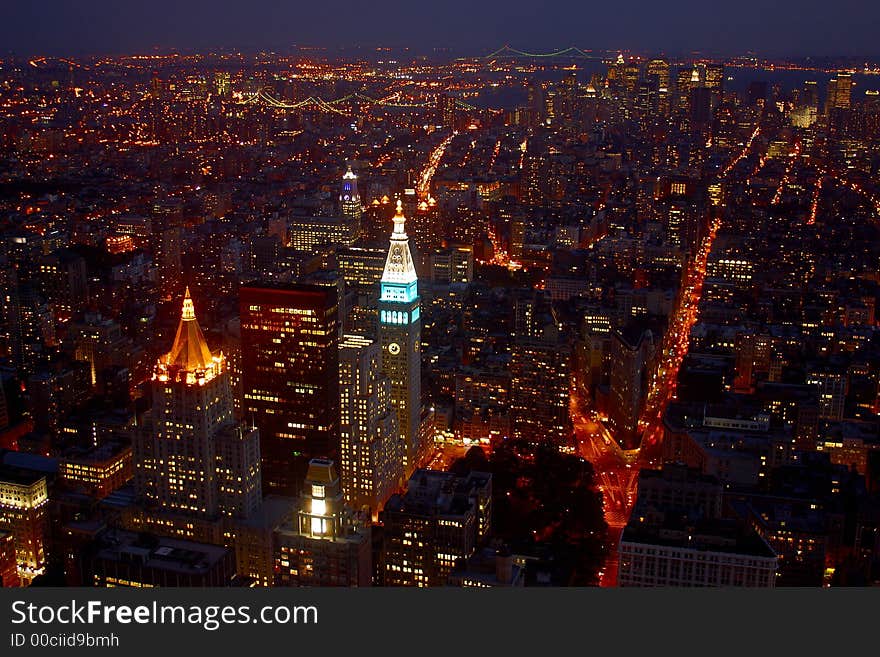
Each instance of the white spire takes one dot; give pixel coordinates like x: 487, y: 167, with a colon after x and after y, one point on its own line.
x: 399, y: 266
x: 399, y: 220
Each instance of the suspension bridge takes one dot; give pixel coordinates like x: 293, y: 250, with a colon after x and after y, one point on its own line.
x: 509, y: 52
x: 264, y: 96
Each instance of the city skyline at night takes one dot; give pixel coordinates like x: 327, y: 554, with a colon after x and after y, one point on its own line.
x: 456, y: 305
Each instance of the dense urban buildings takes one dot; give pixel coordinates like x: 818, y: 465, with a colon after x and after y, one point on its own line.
x: 384, y: 317
x: 439, y: 520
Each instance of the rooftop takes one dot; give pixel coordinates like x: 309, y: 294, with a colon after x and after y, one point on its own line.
x: 705, y: 535
x: 160, y: 552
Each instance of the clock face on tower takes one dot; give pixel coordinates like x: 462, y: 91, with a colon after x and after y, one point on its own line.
x: 394, y: 348
x: 346, y: 198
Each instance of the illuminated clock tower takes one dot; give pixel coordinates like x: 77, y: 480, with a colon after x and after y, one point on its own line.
x: 349, y: 199
x: 400, y: 336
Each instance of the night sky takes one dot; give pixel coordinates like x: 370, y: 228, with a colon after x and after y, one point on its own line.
x: 770, y: 27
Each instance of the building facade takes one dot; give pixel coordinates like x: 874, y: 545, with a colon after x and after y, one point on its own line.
x: 290, y: 378
x: 370, y: 446
x: 24, y: 501
x: 441, y: 519
x: 400, y: 337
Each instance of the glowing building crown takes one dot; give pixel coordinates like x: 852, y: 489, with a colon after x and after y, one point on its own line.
x: 399, y: 267
x: 190, y: 359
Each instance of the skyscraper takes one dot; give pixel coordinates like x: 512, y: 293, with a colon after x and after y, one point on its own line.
x: 810, y: 94
x: 362, y: 270
x: 290, y: 377
x: 839, y: 92
x: 715, y: 81
x: 370, y: 446
x: 399, y: 335
x: 349, y: 198
x: 700, y: 109
x: 540, y: 376
x: 191, y: 458
x: 310, y: 234
x: 453, y: 264
x: 659, y: 69
x: 10, y: 316
x: 446, y: 110
x: 657, y: 85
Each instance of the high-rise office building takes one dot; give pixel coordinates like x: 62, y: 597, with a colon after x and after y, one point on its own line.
x: 700, y: 109
x: 540, y: 373
x: 349, y: 198
x: 657, y: 86
x: 10, y: 315
x: 832, y: 388
x: 191, y: 458
x: 325, y: 543
x: 131, y: 559
x: 715, y: 82
x: 400, y: 337
x: 63, y: 281
x: 290, y: 377
x: 370, y: 447
x: 222, y: 83
x: 535, y: 103
x: 100, y: 342
x: 166, y: 242
x: 684, y: 82
x: 839, y: 92
x: 659, y: 69
x: 54, y: 391
x: 540, y: 377
x: 810, y: 94
x: 710, y: 554
x: 446, y: 110
x: 362, y: 269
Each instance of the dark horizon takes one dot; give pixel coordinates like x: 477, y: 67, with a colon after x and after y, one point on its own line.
x: 680, y: 27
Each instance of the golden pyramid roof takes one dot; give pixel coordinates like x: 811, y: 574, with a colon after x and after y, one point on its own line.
x: 190, y: 351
